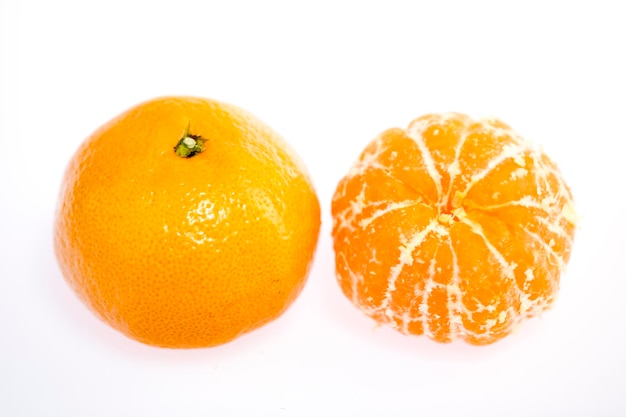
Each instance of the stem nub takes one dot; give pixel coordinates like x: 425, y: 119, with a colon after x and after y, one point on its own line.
x: 189, y: 145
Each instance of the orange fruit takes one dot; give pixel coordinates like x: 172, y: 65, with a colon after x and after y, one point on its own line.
x: 453, y: 228
x: 186, y: 222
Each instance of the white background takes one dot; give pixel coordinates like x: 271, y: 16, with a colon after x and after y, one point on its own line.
x: 328, y: 76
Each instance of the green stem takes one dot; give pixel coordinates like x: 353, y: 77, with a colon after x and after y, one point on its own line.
x: 189, y: 145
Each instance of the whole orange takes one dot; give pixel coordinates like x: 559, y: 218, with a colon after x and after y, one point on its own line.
x: 186, y: 222
x: 454, y: 228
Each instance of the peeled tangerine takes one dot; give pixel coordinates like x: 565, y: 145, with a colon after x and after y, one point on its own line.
x: 452, y: 228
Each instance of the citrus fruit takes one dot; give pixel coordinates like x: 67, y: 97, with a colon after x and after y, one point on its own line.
x: 453, y: 228
x: 186, y: 222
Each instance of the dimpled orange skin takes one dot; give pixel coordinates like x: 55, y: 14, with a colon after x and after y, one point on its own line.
x: 186, y: 252
x: 453, y: 228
